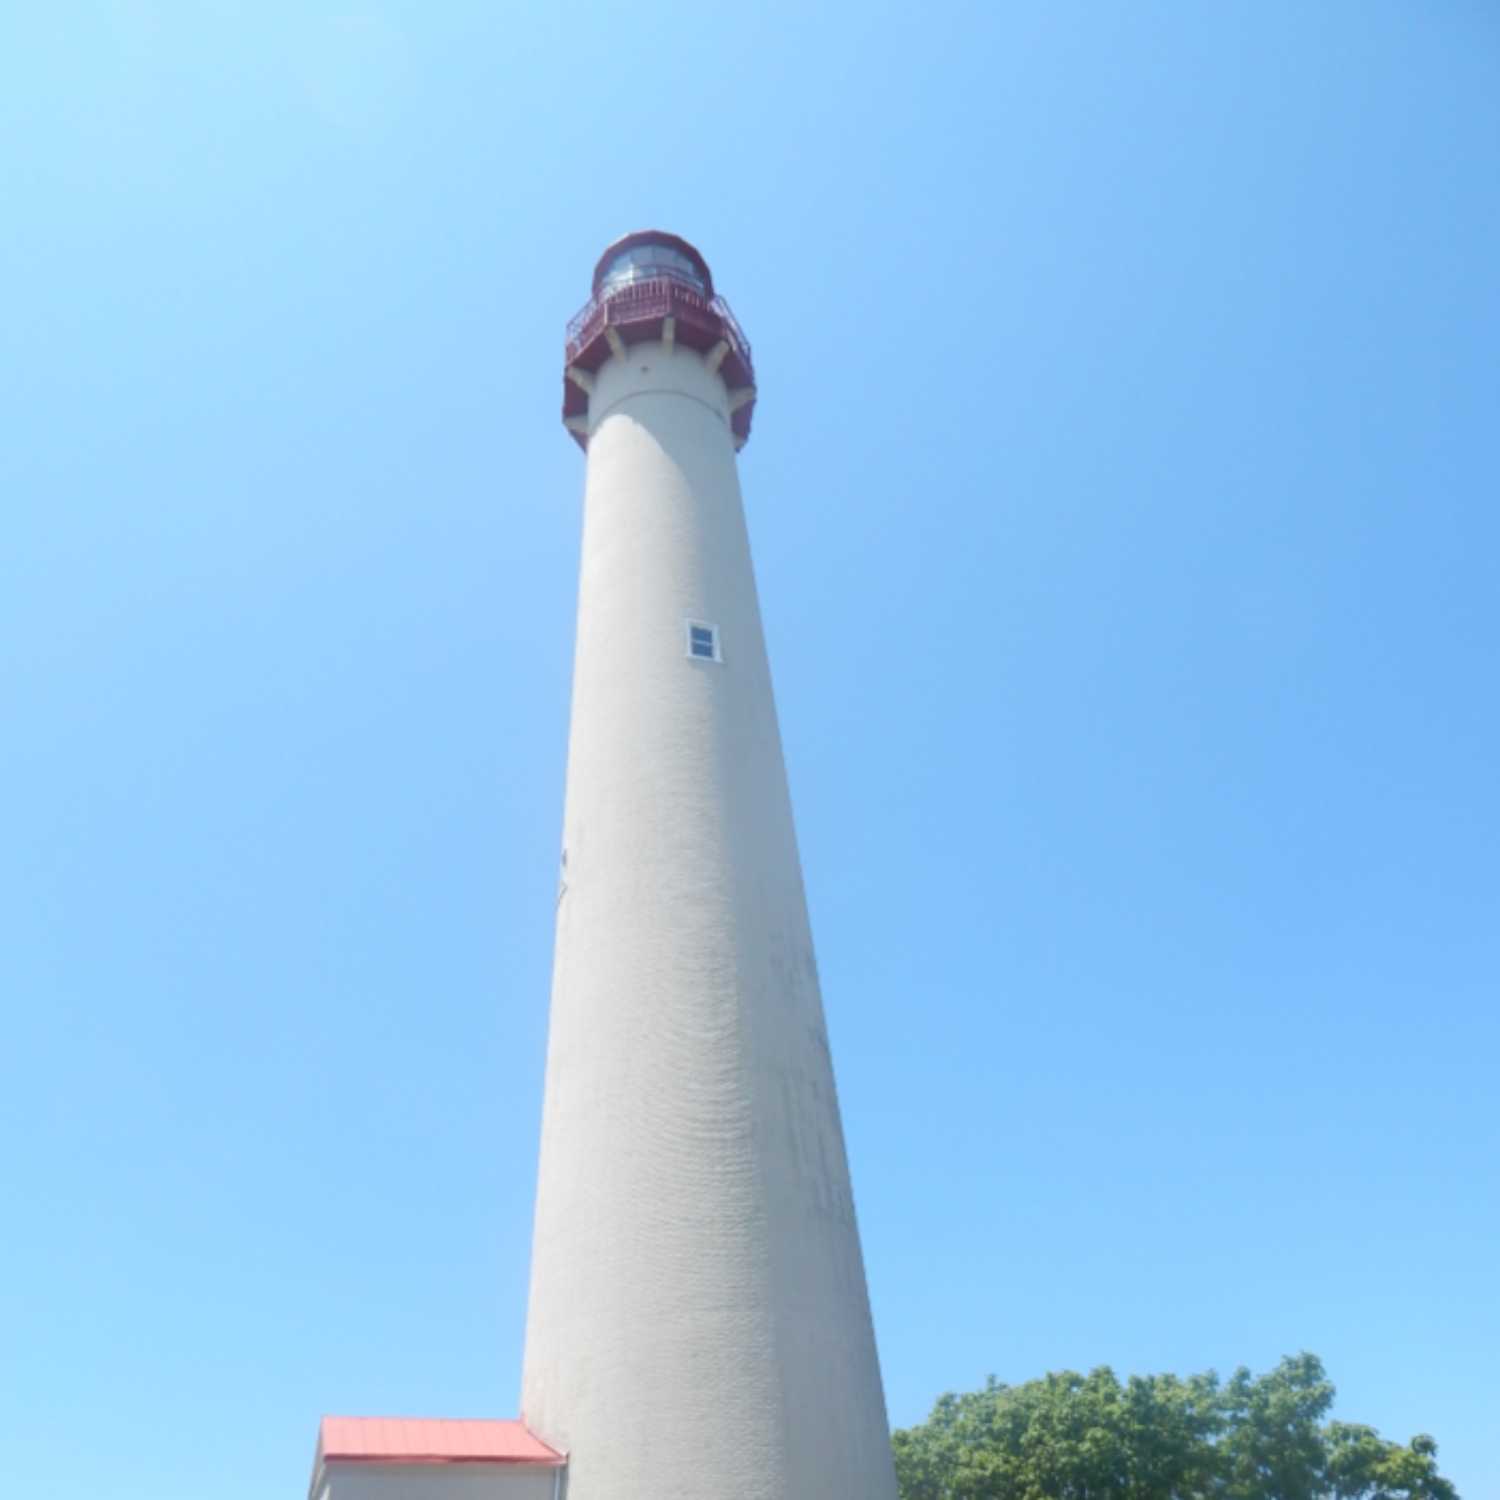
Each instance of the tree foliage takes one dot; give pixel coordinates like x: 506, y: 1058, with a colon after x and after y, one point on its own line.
x: 1158, y: 1437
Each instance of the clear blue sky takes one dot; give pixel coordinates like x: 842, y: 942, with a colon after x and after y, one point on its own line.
x: 1124, y: 495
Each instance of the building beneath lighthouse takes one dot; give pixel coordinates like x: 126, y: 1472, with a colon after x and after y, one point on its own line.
x: 698, y: 1325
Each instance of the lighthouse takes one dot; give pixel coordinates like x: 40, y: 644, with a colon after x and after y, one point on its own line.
x: 698, y: 1323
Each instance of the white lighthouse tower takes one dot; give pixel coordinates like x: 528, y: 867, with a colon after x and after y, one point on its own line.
x: 698, y: 1325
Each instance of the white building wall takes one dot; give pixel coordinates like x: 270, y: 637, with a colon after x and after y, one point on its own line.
x: 443, y: 1481
x: 698, y: 1322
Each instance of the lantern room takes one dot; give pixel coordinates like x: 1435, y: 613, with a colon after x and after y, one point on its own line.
x: 654, y: 287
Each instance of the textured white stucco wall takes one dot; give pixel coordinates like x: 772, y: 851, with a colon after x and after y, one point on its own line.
x: 698, y: 1322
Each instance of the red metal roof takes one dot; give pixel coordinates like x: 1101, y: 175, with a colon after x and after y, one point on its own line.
x: 432, y: 1440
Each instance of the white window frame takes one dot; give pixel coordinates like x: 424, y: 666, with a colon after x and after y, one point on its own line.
x: 689, y: 626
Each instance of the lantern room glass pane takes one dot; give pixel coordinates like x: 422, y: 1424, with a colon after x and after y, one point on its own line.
x: 645, y: 262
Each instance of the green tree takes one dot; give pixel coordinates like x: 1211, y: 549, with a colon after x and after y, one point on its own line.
x: 1361, y: 1465
x: 1158, y: 1437
x: 1272, y: 1444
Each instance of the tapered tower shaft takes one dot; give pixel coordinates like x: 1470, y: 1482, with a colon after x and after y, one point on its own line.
x: 698, y: 1322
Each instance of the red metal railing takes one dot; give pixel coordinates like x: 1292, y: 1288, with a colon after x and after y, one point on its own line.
x: 732, y: 329
x: 654, y: 297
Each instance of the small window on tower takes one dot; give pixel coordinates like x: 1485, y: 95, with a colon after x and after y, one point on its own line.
x: 703, y: 641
